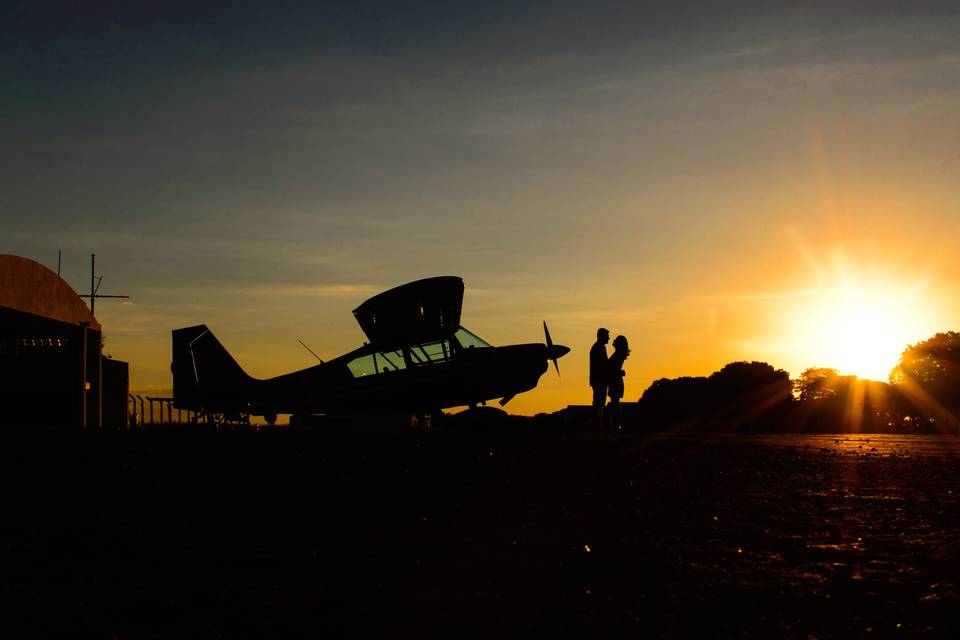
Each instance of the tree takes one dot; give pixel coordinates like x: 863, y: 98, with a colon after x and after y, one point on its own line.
x: 747, y: 392
x: 740, y: 378
x: 816, y: 383
x: 741, y: 396
x: 830, y: 402
x: 929, y: 373
x: 670, y: 401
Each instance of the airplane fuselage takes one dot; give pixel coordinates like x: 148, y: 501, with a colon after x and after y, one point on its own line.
x: 418, y: 359
x: 417, y: 379
x: 472, y: 376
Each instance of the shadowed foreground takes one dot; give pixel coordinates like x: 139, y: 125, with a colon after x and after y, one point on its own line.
x: 166, y: 534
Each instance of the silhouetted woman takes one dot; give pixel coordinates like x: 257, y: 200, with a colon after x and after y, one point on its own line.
x: 616, y: 373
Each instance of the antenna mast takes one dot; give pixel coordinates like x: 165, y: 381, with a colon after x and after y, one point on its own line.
x: 310, y: 350
x: 95, y: 285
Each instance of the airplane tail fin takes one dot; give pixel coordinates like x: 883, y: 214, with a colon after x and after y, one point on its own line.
x: 205, y: 375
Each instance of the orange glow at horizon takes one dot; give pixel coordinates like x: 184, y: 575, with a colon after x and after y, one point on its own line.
x: 860, y: 323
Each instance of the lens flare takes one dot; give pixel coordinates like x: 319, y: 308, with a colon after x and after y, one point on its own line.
x: 859, y: 326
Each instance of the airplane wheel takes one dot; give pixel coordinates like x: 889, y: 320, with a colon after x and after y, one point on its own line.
x: 420, y: 421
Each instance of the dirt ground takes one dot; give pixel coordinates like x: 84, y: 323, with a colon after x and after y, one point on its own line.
x: 475, y: 533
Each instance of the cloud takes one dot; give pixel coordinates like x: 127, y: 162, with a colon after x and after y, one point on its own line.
x: 760, y: 296
x: 320, y: 291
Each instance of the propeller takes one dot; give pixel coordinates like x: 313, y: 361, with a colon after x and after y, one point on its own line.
x: 554, y: 351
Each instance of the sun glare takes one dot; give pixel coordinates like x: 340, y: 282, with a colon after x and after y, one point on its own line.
x: 856, y: 322
x: 862, y: 335
x: 858, y: 326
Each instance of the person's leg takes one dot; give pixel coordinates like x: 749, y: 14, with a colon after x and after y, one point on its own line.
x: 613, y: 413
x: 599, y: 399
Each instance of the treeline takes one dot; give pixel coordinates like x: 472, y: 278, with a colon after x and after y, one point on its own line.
x: 922, y: 396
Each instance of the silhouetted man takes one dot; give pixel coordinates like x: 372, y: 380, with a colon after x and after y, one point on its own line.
x: 598, y: 376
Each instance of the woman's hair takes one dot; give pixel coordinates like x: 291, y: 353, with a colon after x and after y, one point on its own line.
x: 620, y: 342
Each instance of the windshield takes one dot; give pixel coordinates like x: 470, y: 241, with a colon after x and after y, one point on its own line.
x: 469, y: 340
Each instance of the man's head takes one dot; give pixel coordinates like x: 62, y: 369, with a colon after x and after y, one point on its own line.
x: 603, y: 335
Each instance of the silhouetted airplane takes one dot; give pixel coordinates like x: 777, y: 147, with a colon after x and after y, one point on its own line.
x: 418, y: 360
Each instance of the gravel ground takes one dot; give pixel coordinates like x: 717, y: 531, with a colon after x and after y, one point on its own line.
x: 523, y: 532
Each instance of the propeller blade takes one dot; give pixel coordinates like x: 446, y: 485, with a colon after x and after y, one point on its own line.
x: 550, y: 349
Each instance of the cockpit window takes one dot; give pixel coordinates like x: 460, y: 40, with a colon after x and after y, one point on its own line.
x: 431, y: 352
x: 390, y: 361
x: 362, y: 366
x: 469, y: 340
x: 377, y: 362
x: 425, y: 354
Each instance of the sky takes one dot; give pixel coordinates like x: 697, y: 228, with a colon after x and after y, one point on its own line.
x: 715, y: 181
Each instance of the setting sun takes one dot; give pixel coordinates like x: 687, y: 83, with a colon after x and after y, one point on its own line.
x: 860, y: 328
x: 863, y: 336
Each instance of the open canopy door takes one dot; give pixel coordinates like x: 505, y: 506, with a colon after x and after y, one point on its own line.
x: 417, y: 312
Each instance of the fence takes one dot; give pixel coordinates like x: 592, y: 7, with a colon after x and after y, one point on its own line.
x: 152, y: 410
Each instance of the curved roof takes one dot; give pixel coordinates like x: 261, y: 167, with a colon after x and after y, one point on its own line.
x: 419, y: 311
x: 30, y: 287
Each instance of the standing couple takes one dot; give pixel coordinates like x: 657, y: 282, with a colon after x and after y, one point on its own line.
x: 606, y: 377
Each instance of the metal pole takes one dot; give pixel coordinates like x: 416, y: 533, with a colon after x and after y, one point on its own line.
x: 93, y: 292
x: 83, y: 379
x: 99, y: 361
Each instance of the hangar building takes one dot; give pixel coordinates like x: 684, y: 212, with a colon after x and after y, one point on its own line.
x: 52, y: 370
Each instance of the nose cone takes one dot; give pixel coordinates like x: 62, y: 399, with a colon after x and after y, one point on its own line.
x: 555, y: 351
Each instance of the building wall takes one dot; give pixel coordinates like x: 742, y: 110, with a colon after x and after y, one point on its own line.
x: 52, y: 371
x: 41, y: 370
x: 116, y: 387
x: 53, y: 374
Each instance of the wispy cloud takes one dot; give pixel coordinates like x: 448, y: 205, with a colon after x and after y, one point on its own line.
x: 760, y: 296
x: 327, y: 290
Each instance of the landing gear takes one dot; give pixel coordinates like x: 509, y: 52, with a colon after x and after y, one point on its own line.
x: 216, y: 419
x: 420, y: 421
x: 223, y: 420
x: 424, y: 420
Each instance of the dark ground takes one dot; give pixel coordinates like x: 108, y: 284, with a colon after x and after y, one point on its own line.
x: 476, y: 534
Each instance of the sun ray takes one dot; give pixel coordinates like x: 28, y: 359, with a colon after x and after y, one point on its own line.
x: 858, y: 322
